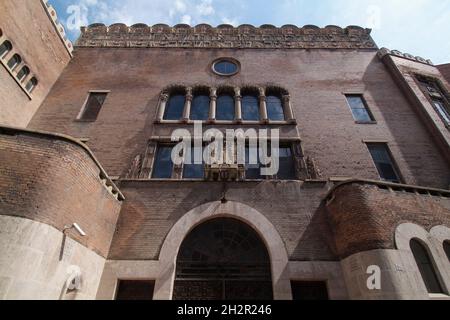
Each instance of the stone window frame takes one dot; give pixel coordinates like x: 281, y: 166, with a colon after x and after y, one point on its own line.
x: 432, y: 241
x: 79, y: 117
x: 4, y: 59
x: 393, y: 160
x: 366, y: 105
x: 178, y: 170
x: 226, y: 59
x: 443, y: 95
x: 190, y: 91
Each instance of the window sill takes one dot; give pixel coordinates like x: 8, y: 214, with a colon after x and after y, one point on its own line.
x: 366, y: 122
x: 222, y: 122
x: 438, y: 296
x: 84, y: 121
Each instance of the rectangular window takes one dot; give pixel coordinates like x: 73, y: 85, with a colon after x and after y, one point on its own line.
x: 192, y: 170
x: 135, y: 290
x: 384, y: 162
x: 163, y: 166
x: 442, y: 110
x: 93, y: 106
x: 359, y: 108
x: 309, y: 290
x: 287, y: 166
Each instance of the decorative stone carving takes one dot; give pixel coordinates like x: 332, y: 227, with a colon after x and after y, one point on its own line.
x: 135, y: 169
x: 313, y: 171
x: 224, y: 36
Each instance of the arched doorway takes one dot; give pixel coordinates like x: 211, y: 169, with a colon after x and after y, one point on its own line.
x: 223, y: 259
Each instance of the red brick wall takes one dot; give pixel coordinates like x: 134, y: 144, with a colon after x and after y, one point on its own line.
x: 27, y: 26
x: 316, y: 80
x: 364, y: 217
x: 445, y: 70
x: 152, y: 208
x: 54, y: 181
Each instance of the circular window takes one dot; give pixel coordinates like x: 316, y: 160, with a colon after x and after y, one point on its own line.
x: 225, y: 67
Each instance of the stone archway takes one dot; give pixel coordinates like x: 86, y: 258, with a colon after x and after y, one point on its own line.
x: 223, y: 259
x: 164, y: 285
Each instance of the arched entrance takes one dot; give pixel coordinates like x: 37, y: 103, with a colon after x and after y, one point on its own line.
x: 223, y: 259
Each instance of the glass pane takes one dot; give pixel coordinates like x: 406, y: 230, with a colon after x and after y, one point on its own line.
x: 225, y: 67
x: 193, y: 171
x: 163, y: 163
x: 23, y: 73
x: 5, y: 47
x: 14, y: 61
x: 225, y: 108
x: 200, y: 108
x: 174, y: 108
x: 359, y: 109
x: 252, y: 171
x: 93, y: 106
x: 287, y: 167
x: 442, y: 111
x: 426, y: 267
x: 274, y: 108
x: 383, y: 162
x: 250, y: 108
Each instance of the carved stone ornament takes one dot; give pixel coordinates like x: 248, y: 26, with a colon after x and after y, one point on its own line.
x: 205, y: 36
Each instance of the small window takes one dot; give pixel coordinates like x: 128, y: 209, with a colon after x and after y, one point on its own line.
x: 383, y: 161
x: 359, y: 108
x: 225, y: 67
x: 253, y: 167
x: 31, y: 85
x: 309, y: 290
x: 93, y: 106
x: 135, y: 290
x: 287, y: 166
x: 193, y: 170
x: 426, y: 267
x: 442, y: 110
x: 14, y: 61
x: 275, y: 110
x: 447, y: 249
x: 200, y: 108
x: 225, y: 108
x: 174, y: 108
x: 163, y: 166
x: 23, y: 73
x: 250, y: 108
x: 5, y: 47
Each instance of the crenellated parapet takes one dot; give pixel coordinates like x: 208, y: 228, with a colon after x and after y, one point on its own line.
x: 384, y: 51
x: 225, y: 36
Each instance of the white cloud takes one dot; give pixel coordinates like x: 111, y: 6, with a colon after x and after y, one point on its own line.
x: 234, y: 22
x: 205, y: 8
x: 187, y: 19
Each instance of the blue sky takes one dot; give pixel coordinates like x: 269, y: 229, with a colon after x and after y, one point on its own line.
x: 419, y: 27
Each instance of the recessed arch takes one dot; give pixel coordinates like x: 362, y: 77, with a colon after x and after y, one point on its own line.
x: 257, y: 221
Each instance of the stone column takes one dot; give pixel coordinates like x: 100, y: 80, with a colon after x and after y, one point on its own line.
x: 238, y: 104
x: 213, y: 104
x: 263, y: 105
x: 187, y: 105
x: 164, y: 97
x: 287, y: 107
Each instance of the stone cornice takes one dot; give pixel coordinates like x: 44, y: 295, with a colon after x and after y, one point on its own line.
x: 384, y: 52
x: 225, y: 36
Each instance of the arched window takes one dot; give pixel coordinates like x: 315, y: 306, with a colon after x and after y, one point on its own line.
x: 5, y: 47
x: 447, y: 249
x: 426, y: 267
x: 250, y: 108
x: 23, y: 73
x: 14, y: 61
x: 31, y: 84
x: 200, y: 107
x: 275, y: 110
x: 225, y: 108
x: 174, y: 108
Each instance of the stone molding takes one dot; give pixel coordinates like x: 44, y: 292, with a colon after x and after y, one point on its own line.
x: 384, y: 52
x: 225, y: 36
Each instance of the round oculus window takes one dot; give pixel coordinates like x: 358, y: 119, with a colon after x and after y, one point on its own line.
x: 225, y: 67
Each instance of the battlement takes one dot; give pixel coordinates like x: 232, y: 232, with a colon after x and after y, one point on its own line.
x: 225, y: 36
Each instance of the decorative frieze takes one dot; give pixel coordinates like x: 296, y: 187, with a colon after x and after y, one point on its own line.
x: 225, y: 36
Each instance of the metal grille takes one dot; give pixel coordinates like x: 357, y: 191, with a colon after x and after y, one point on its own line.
x: 223, y: 259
